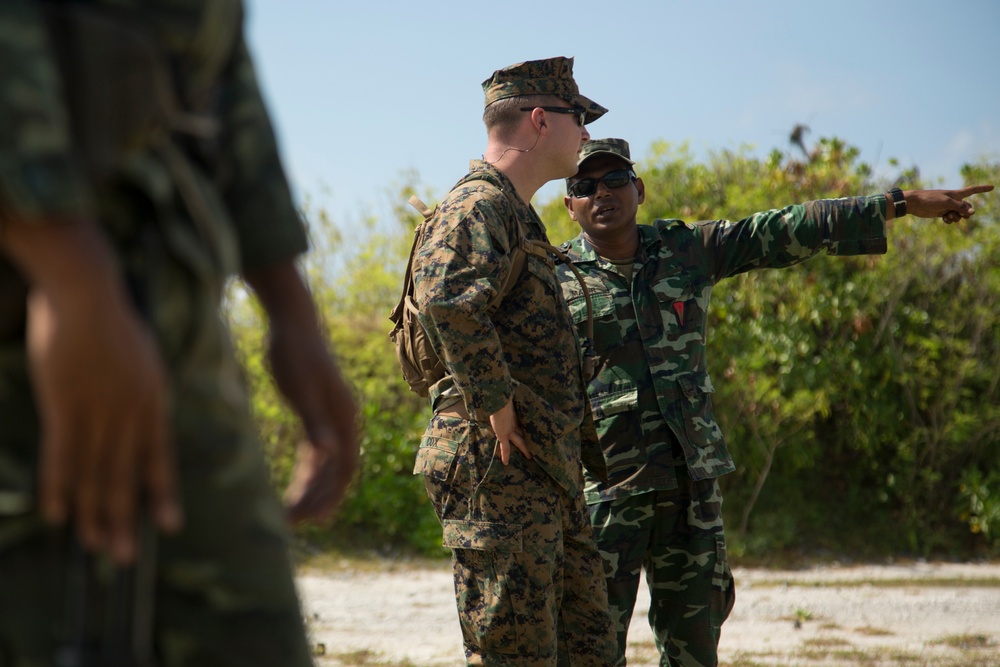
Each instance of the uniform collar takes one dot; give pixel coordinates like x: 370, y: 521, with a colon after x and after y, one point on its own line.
x: 582, y: 251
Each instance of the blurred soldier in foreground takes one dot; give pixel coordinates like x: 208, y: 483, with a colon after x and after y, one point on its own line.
x: 501, y: 455
x: 138, y: 170
x: 661, y: 508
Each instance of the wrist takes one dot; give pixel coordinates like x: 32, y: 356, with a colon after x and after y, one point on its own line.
x: 897, y: 202
x: 67, y: 260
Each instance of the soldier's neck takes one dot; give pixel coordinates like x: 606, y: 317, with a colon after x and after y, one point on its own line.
x: 616, y: 246
x: 521, y: 173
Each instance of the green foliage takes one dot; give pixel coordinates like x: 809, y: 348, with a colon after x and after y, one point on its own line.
x: 859, y: 388
x: 558, y: 225
x: 981, y: 499
x: 859, y: 395
x: 355, y: 279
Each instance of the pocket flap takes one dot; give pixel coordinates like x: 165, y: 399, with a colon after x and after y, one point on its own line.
x: 620, y: 398
x: 435, y: 456
x: 602, y: 302
x: 694, y: 384
x: 482, y: 535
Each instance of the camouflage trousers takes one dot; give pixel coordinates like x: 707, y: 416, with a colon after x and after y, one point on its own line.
x: 677, y: 537
x: 528, y: 578
x: 223, y: 591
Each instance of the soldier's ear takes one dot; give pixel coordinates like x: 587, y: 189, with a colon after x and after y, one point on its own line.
x: 568, y: 202
x: 640, y: 188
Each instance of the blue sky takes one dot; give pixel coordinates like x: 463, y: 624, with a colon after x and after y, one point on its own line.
x: 362, y: 92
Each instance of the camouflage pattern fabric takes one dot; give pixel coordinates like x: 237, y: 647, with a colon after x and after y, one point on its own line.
x: 652, y: 396
x: 183, y: 213
x: 527, y: 350
x: 552, y: 76
x: 528, y: 579
x: 677, y: 536
x: 615, y: 147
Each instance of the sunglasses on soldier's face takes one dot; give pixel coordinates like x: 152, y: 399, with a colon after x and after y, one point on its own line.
x: 579, y: 112
x: 588, y: 186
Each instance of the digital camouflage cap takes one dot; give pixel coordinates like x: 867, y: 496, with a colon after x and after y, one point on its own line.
x: 552, y: 76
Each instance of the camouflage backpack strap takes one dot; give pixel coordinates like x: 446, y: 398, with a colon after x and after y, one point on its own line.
x: 518, y: 256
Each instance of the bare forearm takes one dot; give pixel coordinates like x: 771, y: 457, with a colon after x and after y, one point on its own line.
x: 285, y: 297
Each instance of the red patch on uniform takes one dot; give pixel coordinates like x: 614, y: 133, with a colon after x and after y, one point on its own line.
x: 679, y: 309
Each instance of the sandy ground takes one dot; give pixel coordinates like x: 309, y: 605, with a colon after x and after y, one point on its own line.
x: 382, y: 613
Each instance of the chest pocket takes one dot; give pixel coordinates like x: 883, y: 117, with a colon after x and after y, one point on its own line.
x: 619, y: 398
x: 678, y: 305
x: 543, y: 269
x: 607, y: 331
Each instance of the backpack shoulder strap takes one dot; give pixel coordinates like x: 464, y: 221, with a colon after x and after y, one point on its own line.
x: 421, y: 207
x: 397, y: 313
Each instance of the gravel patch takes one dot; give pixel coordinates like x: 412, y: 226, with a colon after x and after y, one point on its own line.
x: 399, y: 614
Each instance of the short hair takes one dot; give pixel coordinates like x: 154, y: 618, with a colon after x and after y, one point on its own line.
x: 503, y: 115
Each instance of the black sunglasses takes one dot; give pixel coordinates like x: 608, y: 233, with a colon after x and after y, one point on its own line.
x: 579, y: 112
x: 588, y: 186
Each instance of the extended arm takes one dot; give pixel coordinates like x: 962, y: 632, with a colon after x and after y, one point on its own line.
x: 848, y: 226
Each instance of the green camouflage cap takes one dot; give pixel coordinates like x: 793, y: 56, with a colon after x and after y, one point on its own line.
x: 553, y: 76
x: 594, y: 147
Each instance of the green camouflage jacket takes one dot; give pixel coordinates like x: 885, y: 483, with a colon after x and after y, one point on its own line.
x: 527, y: 349
x: 651, y: 395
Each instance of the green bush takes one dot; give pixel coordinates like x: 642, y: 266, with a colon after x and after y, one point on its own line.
x: 859, y: 395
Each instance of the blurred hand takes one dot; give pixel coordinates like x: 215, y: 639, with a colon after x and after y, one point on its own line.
x: 308, y: 377
x: 101, y: 390
x: 310, y: 380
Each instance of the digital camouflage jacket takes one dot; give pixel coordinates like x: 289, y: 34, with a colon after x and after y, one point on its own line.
x: 527, y: 349
x: 651, y: 395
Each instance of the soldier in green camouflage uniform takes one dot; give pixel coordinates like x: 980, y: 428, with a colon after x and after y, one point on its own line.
x: 501, y: 456
x: 660, y: 507
x: 138, y: 170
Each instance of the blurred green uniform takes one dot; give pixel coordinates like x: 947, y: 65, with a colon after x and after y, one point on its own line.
x: 146, y: 116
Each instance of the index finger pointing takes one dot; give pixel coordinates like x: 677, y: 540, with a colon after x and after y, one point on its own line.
x: 972, y: 190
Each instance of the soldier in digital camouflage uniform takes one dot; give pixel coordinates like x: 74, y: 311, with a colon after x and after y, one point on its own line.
x: 138, y: 170
x: 501, y: 456
x: 660, y: 507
